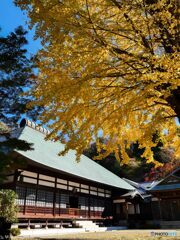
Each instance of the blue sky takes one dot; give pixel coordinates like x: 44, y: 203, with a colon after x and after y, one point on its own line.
x: 11, y: 17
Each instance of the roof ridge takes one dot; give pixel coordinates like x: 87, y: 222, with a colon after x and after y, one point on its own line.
x: 26, y: 122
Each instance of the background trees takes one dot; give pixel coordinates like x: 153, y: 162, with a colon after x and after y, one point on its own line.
x: 137, y: 168
x: 108, y: 68
x: 16, y: 74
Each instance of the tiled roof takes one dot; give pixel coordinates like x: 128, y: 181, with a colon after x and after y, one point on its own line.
x: 171, y: 182
x: 46, y: 153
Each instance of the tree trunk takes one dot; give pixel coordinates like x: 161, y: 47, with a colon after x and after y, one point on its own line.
x: 174, y: 101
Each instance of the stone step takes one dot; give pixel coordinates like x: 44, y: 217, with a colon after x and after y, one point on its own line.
x: 84, y: 223
x: 87, y: 225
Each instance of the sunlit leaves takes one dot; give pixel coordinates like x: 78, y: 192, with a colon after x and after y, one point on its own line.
x: 108, y: 67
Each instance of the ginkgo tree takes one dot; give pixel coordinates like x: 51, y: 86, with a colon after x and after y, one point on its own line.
x: 108, y: 68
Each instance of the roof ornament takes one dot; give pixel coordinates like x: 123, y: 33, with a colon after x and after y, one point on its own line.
x: 25, y: 122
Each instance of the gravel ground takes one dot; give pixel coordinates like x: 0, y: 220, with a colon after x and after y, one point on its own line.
x: 114, y: 235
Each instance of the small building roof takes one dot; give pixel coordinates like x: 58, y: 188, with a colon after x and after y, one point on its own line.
x: 141, y: 189
x: 171, y: 182
x: 45, y: 152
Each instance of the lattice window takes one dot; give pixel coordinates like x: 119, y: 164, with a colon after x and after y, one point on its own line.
x: 41, y: 198
x: 64, y: 200
x: 49, y: 199
x: 93, y: 204
x: 31, y: 197
x: 21, y: 192
x: 58, y: 197
x: 83, y: 202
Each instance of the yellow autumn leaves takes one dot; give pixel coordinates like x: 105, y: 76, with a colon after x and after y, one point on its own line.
x: 108, y: 68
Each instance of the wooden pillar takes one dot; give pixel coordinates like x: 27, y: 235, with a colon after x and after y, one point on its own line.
x: 36, y: 192
x: 16, y: 175
x: 61, y: 224
x: 89, y: 204
x: 25, y: 200
x: 54, y: 197
x: 29, y: 222
x: 160, y: 210
x: 46, y: 224
x: 59, y: 192
x: 126, y: 207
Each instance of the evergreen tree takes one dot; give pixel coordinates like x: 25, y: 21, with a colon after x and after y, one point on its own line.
x: 16, y: 76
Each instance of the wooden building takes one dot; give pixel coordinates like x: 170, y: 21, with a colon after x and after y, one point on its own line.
x: 166, y: 201
x: 135, y: 204
x: 54, y: 188
x: 153, y: 204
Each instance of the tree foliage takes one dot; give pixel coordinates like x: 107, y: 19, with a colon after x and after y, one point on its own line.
x: 8, y: 206
x: 7, y: 145
x: 108, y: 68
x: 16, y: 74
x: 137, y: 168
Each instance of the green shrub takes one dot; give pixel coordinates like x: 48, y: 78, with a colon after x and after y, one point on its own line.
x: 15, y: 232
x: 8, y: 206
